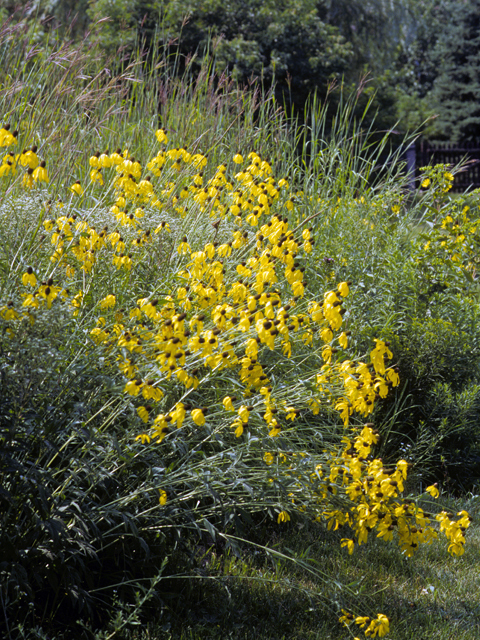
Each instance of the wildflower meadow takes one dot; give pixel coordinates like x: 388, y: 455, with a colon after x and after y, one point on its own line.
x: 221, y: 330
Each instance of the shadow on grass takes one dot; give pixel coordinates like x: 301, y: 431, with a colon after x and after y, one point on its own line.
x: 431, y: 596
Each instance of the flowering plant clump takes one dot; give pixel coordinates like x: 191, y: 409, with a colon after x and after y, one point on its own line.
x: 438, y: 178
x: 223, y: 341
x: 372, y: 628
x: 450, y: 248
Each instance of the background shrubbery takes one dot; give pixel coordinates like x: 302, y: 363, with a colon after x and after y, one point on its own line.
x: 420, y: 58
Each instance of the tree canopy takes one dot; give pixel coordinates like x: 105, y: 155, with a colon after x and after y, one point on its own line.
x: 421, y: 57
x: 456, y: 87
x: 283, y: 41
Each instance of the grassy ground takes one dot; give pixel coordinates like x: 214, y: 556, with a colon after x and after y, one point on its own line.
x: 429, y: 597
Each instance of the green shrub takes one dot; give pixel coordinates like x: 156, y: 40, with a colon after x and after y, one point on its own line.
x: 77, y: 533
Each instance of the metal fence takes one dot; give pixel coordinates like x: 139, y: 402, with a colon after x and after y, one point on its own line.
x: 424, y: 153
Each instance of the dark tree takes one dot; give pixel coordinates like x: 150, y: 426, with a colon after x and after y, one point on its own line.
x: 274, y: 40
x: 456, y: 88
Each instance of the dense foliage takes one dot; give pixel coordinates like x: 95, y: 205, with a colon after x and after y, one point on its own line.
x: 456, y: 86
x: 305, y: 46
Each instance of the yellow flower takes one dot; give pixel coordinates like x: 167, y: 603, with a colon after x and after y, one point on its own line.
x: 392, y: 376
x: 96, y: 176
x: 327, y: 353
x: 163, y: 226
x: 49, y: 292
x: 9, y: 312
x: 228, y: 403
x: 29, y: 278
x: 244, y: 413
x: 198, y: 160
x: 28, y: 181
x: 343, y: 339
x: 178, y: 414
x: 377, y: 356
x: 133, y: 387
x: 161, y: 136
x: 116, y: 157
x: 238, y: 424
x: 326, y: 334
x: 298, y: 289
x: 362, y: 620
x: 7, y: 167
x: 291, y: 413
x: 198, y: 417
x: 40, y: 173
x: 378, y: 627
x: 283, y: 516
x: 31, y: 300
x: 143, y: 413
x: 224, y: 250
x: 350, y: 544
x: 385, y: 531
x: 77, y: 188
x: 104, y: 160
x: 6, y: 137
x: 433, y: 490
x: 347, y: 618
x: 237, y: 158
x: 163, y: 497
x: 108, y: 302
x: 343, y: 289
x: 425, y: 183
x: 183, y: 248
x: 456, y: 548
x: 402, y: 466
x: 381, y: 387
x: 268, y: 458
x: 275, y: 429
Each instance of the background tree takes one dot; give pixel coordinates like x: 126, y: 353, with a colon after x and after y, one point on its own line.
x: 285, y: 41
x: 414, y: 70
x: 419, y: 57
x: 456, y: 88
x: 303, y: 45
x: 375, y: 29
x: 67, y: 17
x: 438, y: 71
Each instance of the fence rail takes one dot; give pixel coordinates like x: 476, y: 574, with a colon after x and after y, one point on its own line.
x: 445, y: 153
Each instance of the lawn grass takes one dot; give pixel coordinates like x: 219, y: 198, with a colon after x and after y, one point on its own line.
x: 430, y: 596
